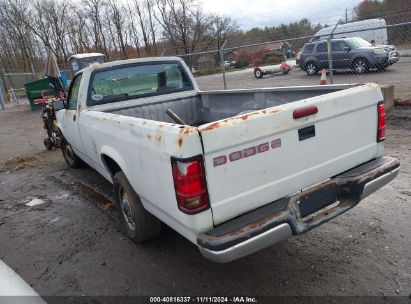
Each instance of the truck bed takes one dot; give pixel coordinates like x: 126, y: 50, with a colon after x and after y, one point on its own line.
x: 211, y: 106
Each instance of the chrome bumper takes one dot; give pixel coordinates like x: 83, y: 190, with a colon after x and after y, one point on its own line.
x: 297, y: 213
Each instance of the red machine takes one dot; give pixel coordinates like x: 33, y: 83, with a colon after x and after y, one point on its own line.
x: 50, y: 103
x: 284, y: 68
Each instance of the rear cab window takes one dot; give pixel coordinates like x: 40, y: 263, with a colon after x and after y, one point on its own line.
x: 132, y: 81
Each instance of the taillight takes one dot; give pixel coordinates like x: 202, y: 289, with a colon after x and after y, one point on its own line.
x: 190, y: 184
x: 381, y: 122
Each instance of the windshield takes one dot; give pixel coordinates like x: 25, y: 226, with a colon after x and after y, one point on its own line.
x: 138, y: 80
x: 358, y: 42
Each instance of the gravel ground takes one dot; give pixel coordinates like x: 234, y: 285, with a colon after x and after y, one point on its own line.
x: 72, y: 245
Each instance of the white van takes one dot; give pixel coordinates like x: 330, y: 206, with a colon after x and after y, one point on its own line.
x: 364, y: 29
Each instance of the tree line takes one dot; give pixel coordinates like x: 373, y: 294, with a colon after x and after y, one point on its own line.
x: 119, y: 30
x: 136, y: 28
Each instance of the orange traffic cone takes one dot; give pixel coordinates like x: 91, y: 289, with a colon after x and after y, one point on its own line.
x: 323, y: 79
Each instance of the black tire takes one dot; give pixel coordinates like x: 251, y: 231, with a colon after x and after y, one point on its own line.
x: 311, y: 68
x: 48, y: 143
x: 139, y: 224
x: 258, y: 74
x: 285, y: 72
x: 361, y: 66
x: 72, y: 160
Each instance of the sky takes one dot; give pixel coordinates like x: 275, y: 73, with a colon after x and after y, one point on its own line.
x: 260, y: 13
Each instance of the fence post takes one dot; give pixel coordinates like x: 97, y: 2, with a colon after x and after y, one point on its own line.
x: 2, y: 103
x: 329, y: 48
x: 14, y: 97
x: 222, y: 64
x: 33, y: 71
x: 330, y: 60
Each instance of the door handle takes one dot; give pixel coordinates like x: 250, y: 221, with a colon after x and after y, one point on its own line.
x: 74, y: 117
x: 306, y: 132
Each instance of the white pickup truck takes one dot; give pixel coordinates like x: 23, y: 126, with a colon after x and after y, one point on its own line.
x: 232, y: 171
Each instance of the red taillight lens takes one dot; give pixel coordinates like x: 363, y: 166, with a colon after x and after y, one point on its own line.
x: 381, y: 122
x: 190, y: 184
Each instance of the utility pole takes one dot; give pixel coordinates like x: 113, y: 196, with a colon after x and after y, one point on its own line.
x: 346, y: 15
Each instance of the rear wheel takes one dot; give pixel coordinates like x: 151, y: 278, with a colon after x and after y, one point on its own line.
x: 139, y: 224
x: 311, y: 69
x: 258, y: 74
x: 361, y: 66
x: 72, y: 160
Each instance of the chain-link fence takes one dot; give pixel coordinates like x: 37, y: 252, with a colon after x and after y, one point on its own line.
x: 13, y: 84
x: 359, y: 52
x: 348, y: 53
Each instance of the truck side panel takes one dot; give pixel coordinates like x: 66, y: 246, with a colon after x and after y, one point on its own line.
x: 143, y: 148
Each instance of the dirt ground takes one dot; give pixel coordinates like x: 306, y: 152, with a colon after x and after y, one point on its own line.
x: 72, y: 245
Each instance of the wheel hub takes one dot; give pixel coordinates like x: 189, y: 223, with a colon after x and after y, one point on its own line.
x: 126, y: 211
x: 69, y: 152
x: 360, y: 66
x: 311, y: 68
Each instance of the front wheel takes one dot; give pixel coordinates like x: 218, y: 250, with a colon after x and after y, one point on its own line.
x: 48, y: 143
x: 286, y: 71
x: 139, y: 224
x: 72, y: 160
x: 361, y: 66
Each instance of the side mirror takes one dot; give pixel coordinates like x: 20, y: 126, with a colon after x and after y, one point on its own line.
x: 347, y: 48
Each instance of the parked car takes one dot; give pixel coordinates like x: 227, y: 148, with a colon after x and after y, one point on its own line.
x: 347, y: 53
x: 229, y: 63
x: 226, y: 169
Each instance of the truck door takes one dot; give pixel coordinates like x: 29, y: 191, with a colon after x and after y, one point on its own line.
x: 71, y: 129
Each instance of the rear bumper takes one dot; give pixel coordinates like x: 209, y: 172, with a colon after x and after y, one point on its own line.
x: 297, y: 213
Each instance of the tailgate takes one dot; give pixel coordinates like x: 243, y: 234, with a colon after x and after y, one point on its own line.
x: 254, y: 159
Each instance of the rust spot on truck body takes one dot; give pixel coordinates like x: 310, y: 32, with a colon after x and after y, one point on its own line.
x: 180, y: 142
x: 149, y: 136
x: 259, y: 224
x: 213, y: 126
x: 237, y: 119
x: 187, y: 131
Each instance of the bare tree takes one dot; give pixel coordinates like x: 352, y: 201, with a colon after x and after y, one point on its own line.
x: 183, y: 23
x: 94, y: 8
x: 116, y: 14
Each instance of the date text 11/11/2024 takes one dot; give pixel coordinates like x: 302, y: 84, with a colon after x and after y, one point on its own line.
x: 239, y: 299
